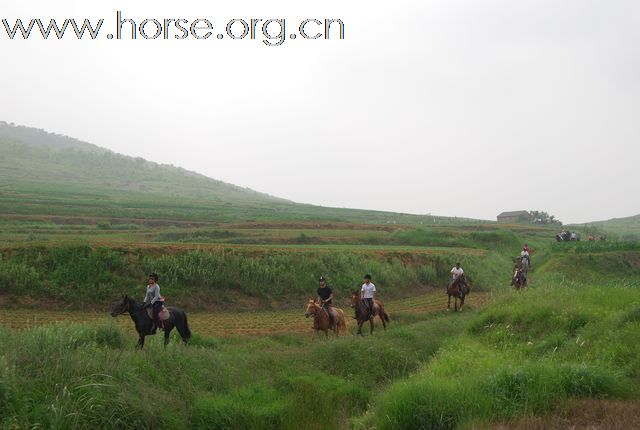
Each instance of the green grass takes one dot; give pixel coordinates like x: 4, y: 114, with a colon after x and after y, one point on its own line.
x: 84, y: 376
x: 83, y: 276
x: 526, y: 354
x: 575, y: 333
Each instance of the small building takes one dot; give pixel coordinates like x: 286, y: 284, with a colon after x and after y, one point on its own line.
x: 514, y: 216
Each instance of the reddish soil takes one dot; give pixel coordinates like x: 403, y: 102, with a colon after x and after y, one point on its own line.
x: 584, y: 415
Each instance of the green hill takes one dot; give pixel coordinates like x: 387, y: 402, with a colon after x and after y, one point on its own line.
x: 32, y: 156
x: 47, y: 174
x: 627, y: 228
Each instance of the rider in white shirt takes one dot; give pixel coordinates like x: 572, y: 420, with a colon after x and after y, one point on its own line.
x: 368, y: 294
x: 456, y: 272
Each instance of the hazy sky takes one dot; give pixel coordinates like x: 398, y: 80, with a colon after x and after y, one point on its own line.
x: 451, y: 107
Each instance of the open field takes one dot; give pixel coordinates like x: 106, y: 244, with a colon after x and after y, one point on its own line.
x: 80, y: 226
x: 519, y: 359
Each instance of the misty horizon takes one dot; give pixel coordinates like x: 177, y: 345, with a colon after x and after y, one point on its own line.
x: 459, y: 109
x: 260, y: 191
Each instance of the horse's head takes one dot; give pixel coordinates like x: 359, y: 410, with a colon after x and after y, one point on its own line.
x: 121, y: 306
x: 311, y: 309
x: 354, y: 299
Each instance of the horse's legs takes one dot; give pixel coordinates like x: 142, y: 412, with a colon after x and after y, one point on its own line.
x: 371, y: 324
x: 140, y: 342
x: 167, y: 332
x: 461, y: 303
x: 384, y: 323
x: 449, y: 304
x: 455, y: 304
x: 360, y: 328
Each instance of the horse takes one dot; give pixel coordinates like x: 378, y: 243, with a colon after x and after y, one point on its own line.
x: 519, y: 280
x: 457, y: 289
x: 525, y: 262
x: 363, y: 313
x: 321, y: 319
x: 144, y: 323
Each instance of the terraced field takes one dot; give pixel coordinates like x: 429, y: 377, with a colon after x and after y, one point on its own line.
x: 237, y: 323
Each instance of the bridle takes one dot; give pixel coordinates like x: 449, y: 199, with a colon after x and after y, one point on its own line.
x: 125, y: 309
x: 316, y: 311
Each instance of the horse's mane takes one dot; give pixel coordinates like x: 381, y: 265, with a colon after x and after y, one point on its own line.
x: 460, y: 279
x: 133, y: 303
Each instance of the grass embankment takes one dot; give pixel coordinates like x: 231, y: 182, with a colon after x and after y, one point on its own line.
x: 523, y: 355
x: 237, y: 277
x: 529, y: 352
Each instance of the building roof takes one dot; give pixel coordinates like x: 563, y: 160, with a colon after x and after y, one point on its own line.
x: 514, y: 213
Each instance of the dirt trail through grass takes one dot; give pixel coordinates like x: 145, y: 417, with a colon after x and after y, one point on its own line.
x: 239, y: 323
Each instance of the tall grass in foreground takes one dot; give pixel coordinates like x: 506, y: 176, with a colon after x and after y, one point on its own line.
x: 90, y: 376
x: 525, y: 355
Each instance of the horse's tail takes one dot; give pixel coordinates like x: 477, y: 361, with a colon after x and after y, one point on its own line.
x: 187, y: 330
x: 385, y: 316
x: 183, y: 325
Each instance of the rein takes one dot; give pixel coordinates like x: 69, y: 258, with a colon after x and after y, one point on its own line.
x: 124, y: 310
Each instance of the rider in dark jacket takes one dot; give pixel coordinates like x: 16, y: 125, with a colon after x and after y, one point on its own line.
x: 325, y: 298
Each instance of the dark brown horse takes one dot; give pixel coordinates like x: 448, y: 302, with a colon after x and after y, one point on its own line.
x: 457, y: 289
x: 144, y: 323
x: 321, y: 319
x: 519, y: 279
x: 363, y: 313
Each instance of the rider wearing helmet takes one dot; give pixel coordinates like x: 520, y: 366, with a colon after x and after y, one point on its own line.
x: 325, y: 298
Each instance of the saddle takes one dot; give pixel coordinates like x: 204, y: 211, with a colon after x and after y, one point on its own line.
x: 163, y: 314
x: 334, y: 313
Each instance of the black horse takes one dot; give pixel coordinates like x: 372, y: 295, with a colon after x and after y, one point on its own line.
x: 144, y: 324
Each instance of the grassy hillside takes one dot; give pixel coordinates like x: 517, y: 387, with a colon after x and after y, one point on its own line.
x: 524, y: 355
x: 627, y: 228
x: 44, y: 175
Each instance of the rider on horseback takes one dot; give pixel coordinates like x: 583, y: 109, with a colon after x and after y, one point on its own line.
x: 456, y: 272
x: 154, y: 299
x: 368, y: 294
x: 325, y: 297
x: 519, y: 271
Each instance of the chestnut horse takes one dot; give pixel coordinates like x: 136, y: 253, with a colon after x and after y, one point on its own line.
x: 519, y: 279
x: 457, y: 289
x: 363, y: 313
x: 321, y: 319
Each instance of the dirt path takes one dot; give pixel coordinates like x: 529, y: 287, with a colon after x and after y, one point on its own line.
x: 236, y: 323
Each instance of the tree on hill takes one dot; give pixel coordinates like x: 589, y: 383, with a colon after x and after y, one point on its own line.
x: 542, y: 217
